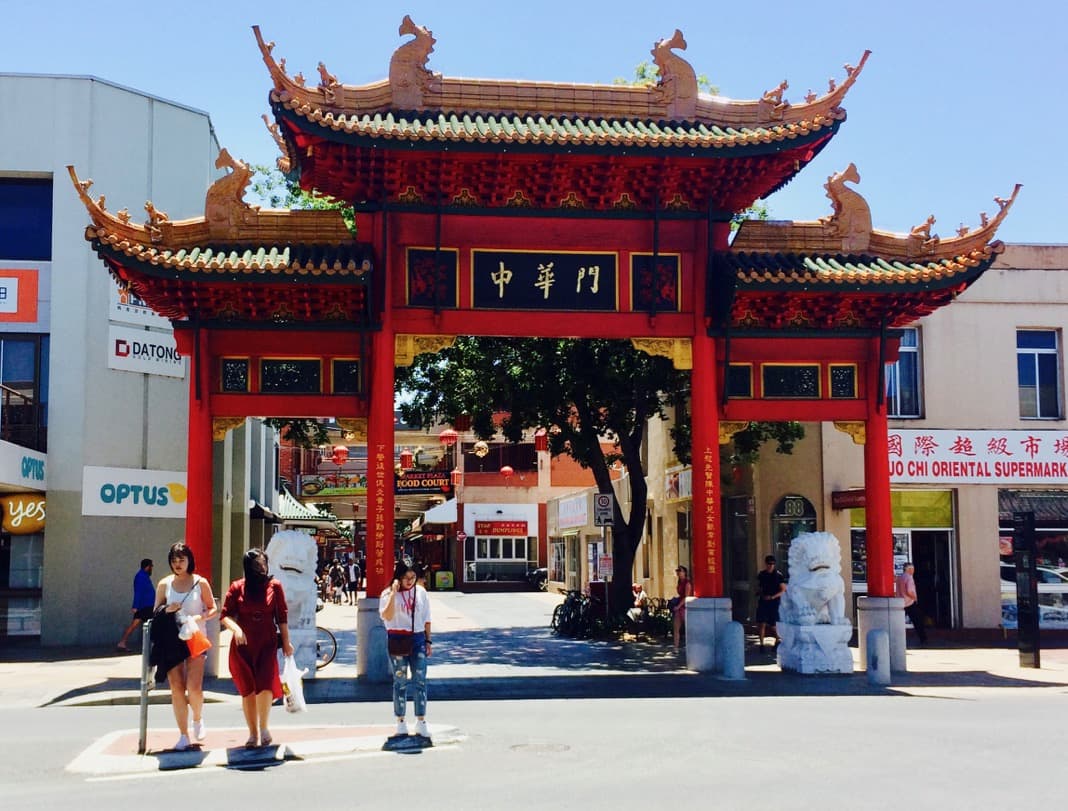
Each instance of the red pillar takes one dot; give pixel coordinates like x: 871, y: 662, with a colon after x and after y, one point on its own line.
x: 380, y: 439
x: 704, y: 411
x: 199, y: 476
x: 879, y: 535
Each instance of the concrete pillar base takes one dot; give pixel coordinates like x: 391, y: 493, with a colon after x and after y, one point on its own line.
x: 883, y: 614
x: 372, y: 662
x: 706, y: 619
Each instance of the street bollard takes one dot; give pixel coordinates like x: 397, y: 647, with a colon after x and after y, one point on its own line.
x: 146, y: 684
x: 878, y: 650
x: 730, y: 658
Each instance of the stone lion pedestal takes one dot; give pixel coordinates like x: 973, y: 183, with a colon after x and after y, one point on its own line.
x: 813, y: 628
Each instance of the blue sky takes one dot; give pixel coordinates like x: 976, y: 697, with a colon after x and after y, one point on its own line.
x: 958, y: 102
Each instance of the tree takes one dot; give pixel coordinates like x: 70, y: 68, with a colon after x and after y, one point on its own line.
x: 587, y: 393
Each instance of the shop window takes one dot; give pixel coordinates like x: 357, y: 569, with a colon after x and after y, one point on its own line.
x: 286, y: 376
x: 792, y: 515
x: 903, y: 378
x: 1037, y: 369
x: 496, y: 559
x: 557, y: 560
x: 1050, y: 508
x: 24, y: 390
x: 26, y: 219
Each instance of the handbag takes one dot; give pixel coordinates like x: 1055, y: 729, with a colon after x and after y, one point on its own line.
x: 402, y: 643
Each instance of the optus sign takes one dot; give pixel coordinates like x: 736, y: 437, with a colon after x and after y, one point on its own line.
x: 133, y: 493
x: 24, y: 513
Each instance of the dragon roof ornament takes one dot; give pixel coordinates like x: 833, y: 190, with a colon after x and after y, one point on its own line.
x: 412, y: 86
x: 848, y: 230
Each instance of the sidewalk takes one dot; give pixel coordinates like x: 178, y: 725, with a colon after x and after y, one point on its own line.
x: 472, y: 662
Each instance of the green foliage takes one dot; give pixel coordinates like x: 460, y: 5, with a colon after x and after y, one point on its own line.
x: 272, y: 189
x: 302, y: 433
x: 647, y: 74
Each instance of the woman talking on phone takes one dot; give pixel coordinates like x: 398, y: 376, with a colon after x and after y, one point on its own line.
x: 405, y: 610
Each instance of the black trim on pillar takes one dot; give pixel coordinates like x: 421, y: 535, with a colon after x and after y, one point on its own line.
x: 880, y: 391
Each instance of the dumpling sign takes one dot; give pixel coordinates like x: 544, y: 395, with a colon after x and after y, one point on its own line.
x: 23, y: 513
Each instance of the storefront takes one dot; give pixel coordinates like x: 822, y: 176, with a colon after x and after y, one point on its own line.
x: 1051, y: 528
x: 500, y: 543
x: 22, y: 525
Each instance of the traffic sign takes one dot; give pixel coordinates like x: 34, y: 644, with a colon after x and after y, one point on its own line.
x: 602, y: 509
x: 461, y: 535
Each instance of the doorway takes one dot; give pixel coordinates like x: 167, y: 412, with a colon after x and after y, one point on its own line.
x: 933, y: 575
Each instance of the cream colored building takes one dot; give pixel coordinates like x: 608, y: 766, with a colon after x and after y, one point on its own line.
x: 979, y: 386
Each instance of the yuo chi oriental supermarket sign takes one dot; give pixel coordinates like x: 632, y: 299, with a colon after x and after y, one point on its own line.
x: 978, y: 457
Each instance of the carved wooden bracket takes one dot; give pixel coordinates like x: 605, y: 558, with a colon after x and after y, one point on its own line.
x: 220, y: 425
x: 857, y: 430
x: 357, y: 426
x: 406, y: 347
x: 678, y: 350
x: 727, y: 430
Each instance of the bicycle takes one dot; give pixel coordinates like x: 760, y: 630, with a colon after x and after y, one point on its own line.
x: 325, y: 647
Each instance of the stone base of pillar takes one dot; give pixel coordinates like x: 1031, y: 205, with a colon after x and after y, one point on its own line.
x: 883, y: 614
x: 213, y: 629
x: 706, y: 620
x: 372, y: 662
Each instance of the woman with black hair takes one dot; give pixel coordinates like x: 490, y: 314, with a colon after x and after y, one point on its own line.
x: 405, y: 610
x: 186, y: 595
x: 255, y: 611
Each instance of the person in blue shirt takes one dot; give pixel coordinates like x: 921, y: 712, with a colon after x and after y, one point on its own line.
x: 144, y: 597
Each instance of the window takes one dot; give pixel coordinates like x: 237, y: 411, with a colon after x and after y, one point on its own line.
x: 903, y: 378
x: 26, y: 219
x: 1037, y: 369
x: 24, y: 390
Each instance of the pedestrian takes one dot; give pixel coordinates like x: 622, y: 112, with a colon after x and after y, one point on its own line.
x: 405, y: 609
x: 906, y: 590
x: 144, y: 598
x: 352, y: 571
x: 683, y: 589
x: 186, y: 595
x: 255, y: 610
x: 639, y: 607
x: 771, y: 585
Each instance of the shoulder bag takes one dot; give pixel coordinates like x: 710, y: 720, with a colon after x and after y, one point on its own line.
x: 401, y: 643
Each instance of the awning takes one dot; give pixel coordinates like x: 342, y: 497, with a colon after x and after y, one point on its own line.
x: 442, y: 514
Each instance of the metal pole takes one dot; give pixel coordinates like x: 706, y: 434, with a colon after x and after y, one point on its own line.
x: 146, y: 685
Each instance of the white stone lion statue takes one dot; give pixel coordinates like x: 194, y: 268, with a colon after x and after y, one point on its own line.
x: 291, y: 557
x: 813, y: 627
x: 815, y: 594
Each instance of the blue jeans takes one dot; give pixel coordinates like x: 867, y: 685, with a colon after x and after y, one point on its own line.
x: 416, y: 662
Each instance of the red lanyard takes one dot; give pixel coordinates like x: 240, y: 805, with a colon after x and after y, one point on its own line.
x: 409, y: 605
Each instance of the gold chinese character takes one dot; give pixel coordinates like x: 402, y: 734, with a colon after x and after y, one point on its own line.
x: 593, y: 273
x: 501, y: 278
x: 545, y: 278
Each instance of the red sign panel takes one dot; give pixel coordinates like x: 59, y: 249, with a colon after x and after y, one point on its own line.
x: 514, y: 529
x: 848, y: 499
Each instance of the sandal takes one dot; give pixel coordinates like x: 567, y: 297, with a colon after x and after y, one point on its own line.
x: 252, y: 742
x: 266, y: 739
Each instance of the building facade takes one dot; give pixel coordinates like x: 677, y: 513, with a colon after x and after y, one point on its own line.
x: 94, y: 393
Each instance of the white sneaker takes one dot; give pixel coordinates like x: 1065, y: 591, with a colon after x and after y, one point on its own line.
x: 402, y: 728
x: 183, y: 743
x: 199, y: 730
x: 421, y: 728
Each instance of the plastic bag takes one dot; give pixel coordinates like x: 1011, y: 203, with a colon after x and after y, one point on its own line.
x: 195, y: 639
x: 293, y: 685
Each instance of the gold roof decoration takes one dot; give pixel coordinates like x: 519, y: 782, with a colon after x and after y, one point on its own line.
x: 412, y: 87
x: 848, y: 230
x: 220, y: 240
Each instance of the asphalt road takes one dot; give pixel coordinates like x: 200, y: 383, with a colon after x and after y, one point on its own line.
x: 962, y: 740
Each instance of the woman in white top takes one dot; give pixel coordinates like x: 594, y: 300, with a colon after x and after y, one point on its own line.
x: 189, y: 596
x: 405, y: 610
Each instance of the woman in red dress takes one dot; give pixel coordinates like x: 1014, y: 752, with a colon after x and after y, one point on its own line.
x: 255, y: 611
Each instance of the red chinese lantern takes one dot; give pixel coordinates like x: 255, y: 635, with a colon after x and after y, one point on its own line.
x: 507, y: 471
x: 541, y: 440
x: 407, y: 459
x: 448, y: 437
x: 340, y: 454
